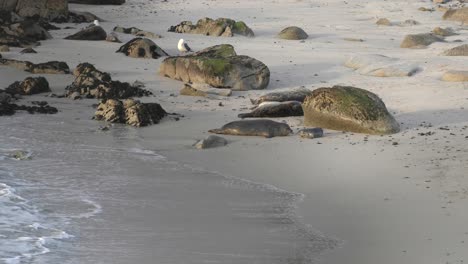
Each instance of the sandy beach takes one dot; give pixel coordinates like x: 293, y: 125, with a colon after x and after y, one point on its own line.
x: 364, y: 199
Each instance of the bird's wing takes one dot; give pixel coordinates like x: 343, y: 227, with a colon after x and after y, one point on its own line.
x: 187, y: 47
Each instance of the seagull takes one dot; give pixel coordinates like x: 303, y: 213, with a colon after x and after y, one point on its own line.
x: 183, y: 47
x: 96, y: 22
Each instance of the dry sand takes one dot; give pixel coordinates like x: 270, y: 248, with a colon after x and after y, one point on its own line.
x: 391, y: 199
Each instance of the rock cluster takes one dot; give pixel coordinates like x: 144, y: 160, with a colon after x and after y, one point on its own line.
x: 223, y: 27
x: 48, y: 9
x: 218, y: 66
x: 50, y: 67
x: 130, y: 112
x: 30, y: 85
x: 93, y: 83
x: 16, y: 31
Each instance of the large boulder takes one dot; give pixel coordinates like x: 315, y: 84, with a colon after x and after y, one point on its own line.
x: 224, y: 27
x: 457, y: 51
x: 29, y: 86
x: 130, y: 112
x: 460, y: 15
x: 98, y: 2
x: 142, y: 48
x: 380, y: 66
x: 90, y: 33
x: 218, y: 66
x: 48, y: 9
x: 293, y: 33
x: 346, y: 108
x: 50, y: 67
x: 93, y: 83
x: 420, y: 40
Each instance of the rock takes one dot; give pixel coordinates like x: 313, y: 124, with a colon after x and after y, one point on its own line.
x: 295, y: 95
x: 346, y: 108
x: 4, y: 97
x: 7, y: 109
x: 20, y: 155
x: 48, y: 9
x: 29, y: 86
x: 75, y: 96
x: 408, y: 23
x: 93, y: 83
x: 50, y: 67
x: 220, y: 27
x: 443, y: 32
x: 131, y: 112
x: 262, y: 128
x: 460, y: 15
x: 425, y: 9
x: 275, y: 109
x: 4, y: 48
x: 293, y: 33
x: 201, y: 89
x: 98, y: 2
x: 137, y: 32
x: 18, y: 32
x: 380, y: 66
x: 91, y: 33
x: 113, y: 38
x: 455, y: 76
x: 457, y: 51
x: 383, y: 22
x: 79, y: 17
x: 142, y: 48
x: 311, y: 133
x: 420, y: 40
x: 211, y: 141
x: 28, y: 50
x: 218, y: 66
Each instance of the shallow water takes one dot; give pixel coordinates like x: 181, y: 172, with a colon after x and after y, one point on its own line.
x: 86, y: 196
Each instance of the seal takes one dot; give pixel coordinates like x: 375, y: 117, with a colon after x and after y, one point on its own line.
x: 262, y: 128
x: 275, y: 109
x: 295, y: 95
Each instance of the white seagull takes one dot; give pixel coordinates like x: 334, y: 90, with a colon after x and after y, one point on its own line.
x: 96, y: 22
x: 183, y: 47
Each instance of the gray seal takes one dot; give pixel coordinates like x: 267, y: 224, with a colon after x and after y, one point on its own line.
x: 275, y: 109
x: 295, y: 95
x: 262, y: 128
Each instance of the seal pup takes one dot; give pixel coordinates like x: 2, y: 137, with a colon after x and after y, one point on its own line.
x: 275, y: 109
x: 295, y: 95
x: 262, y: 128
x: 183, y: 47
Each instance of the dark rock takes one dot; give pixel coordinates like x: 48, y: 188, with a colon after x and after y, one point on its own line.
x: 142, y: 48
x: 29, y: 86
x: 131, y: 112
x: 92, y: 83
x: 218, y: 66
x: 346, y: 108
x: 51, y: 67
x: 48, y: 9
x: 98, y: 2
x: 18, y: 32
x: 224, y: 27
x: 91, y: 33
x: 28, y: 50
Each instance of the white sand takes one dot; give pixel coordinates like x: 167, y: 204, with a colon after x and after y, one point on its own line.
x: 390, y: 204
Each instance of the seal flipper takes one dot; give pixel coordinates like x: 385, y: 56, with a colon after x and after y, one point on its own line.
x: 245, y: 115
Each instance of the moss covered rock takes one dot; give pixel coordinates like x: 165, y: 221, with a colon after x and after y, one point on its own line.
x: 420, y: 40
x: 220, y: 27
x: 348, y: 108
x: 460, y: 15
x: 218, y: 66
x: 293, y: 33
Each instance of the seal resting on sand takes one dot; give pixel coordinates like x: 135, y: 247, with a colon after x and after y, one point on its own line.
x: 275, y: 109
x: 262, y: 128
x: 294, y: 95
